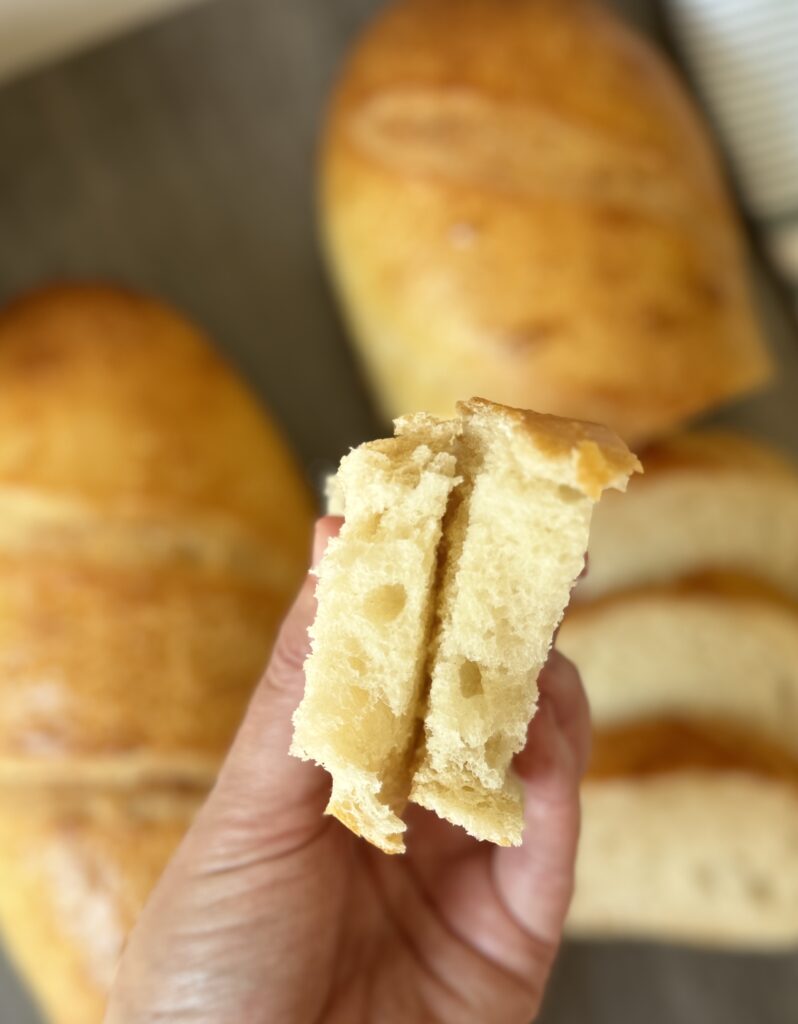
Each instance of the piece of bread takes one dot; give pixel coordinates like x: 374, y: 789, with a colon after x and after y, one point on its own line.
x: 717, y: 648
x: 715, y: 501
x: 359, y: 715
x: 437, y: 605
x: 519, y: 199
x: 153, y: 529
x: 699, y: 857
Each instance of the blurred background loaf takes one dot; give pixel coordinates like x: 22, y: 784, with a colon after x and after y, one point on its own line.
x: 519, y: 200
x: 153, y: 529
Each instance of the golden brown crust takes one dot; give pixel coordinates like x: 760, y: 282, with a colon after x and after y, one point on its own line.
x: 675, y: 744
x: 602, y: 459
x: 114, y: 399
x: 154, y: 529
x: 553, y: 227
x: 146, y: 671
x: 735, y: 586
x: 707, y: 450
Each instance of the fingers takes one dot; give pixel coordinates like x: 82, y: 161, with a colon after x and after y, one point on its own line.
x: 230, y: 900
x: 535, y: 880
x: 561, y: 685
x: 325, y: 529
x: 261, y: 783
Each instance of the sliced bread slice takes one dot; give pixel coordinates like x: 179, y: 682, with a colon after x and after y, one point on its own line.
x: 720, y: 648
x: 707, y: 500
x: 734, y: 883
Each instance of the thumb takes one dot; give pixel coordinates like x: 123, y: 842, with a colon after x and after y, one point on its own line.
x: 262, y: 790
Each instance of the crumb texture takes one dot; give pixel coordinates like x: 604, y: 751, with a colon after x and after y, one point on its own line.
x: 515, y: 548
x: 365, y: 672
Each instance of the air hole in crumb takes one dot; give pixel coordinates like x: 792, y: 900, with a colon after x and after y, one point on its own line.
x: 385, y: 603
x: 410, y: 476
x: 470, y: 679
x: 358, y: 664
x: 568, y: 494
x: 359, y: 698
x: 494, y: 750
x: 370, y: 526
x: 354, y: 657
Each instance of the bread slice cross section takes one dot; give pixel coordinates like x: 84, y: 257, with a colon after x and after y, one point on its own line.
x: 437, y: 605
x: 365, y: 674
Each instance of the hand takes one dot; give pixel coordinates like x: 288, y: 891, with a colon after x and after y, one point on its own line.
x: 272, y: 912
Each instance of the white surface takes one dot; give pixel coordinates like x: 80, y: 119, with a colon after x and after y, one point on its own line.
x: 744, y: 57
x: 33, y: 31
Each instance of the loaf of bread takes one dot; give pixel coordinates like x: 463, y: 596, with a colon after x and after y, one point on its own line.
x: 436, y: 608
x: 153, y: 528
x: 519, y: 199
x: 708, y: 500
x: 690, y: 813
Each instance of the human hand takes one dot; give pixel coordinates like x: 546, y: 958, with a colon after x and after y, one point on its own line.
x: 272, y: 912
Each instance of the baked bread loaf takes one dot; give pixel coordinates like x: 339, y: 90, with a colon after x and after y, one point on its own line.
x: 690, y: 811
x: 708, y: 500
x: 436, y: 608
x: 153, y: 528
x: 519, y: 199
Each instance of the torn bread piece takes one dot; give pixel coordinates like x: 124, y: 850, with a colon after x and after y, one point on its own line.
x: 365, y: 673
x: 436, y: 610
x: 515, y: 545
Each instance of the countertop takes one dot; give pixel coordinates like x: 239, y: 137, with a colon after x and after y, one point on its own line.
x: 180, y: 160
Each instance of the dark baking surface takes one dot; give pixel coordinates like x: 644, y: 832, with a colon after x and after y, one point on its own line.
x: 180, y: 160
